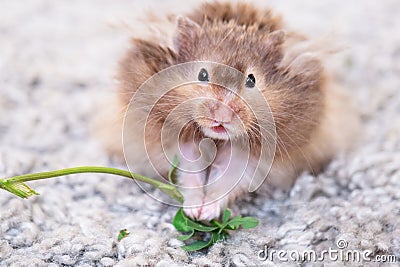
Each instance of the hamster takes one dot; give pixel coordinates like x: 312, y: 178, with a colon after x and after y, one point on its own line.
x: 312, y: 117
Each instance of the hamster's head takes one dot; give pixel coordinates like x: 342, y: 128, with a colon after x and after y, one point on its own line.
x: 219, y: 107
x: 227, y: 102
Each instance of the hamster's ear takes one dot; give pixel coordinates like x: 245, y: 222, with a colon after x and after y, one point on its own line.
x: 143, y: 60
x: 273, y: 49
x: 187, y: 33
x: 276, y: 38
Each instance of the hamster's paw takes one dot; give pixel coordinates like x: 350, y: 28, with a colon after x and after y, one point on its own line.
x: 210, y: 211
x: 205, y: 212
x: 193, y: 213
x: 193, y: 203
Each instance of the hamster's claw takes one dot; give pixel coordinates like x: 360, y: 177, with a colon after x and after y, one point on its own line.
x: 210, y: 211
x: 206, y: 212
x: 192, y: 213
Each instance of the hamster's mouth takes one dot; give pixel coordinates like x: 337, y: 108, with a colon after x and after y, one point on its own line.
x: 219, y: 129
x: 216, y: 132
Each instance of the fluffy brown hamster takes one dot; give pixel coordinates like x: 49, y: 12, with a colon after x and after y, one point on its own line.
x: 311, y: 118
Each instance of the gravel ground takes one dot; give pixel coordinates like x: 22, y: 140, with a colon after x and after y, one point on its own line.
x: 57, y: 60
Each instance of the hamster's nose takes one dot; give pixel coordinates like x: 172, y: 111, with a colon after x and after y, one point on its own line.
x: 222, y: 113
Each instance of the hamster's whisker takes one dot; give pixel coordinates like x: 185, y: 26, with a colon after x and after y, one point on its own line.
x: 280, y: 144
x: 299, y: 148
x: 295, y: 116
x: 300, y: 135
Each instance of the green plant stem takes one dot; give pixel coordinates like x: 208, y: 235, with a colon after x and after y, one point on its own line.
x: 168, y: 189
x: 216, y: 223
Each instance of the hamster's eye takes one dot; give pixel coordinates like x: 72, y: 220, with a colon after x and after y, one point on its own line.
x: 203, y: 75
x: 250, y: 81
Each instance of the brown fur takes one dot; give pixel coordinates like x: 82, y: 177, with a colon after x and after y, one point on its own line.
x: 296, y: 98
x: 246, y: 38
